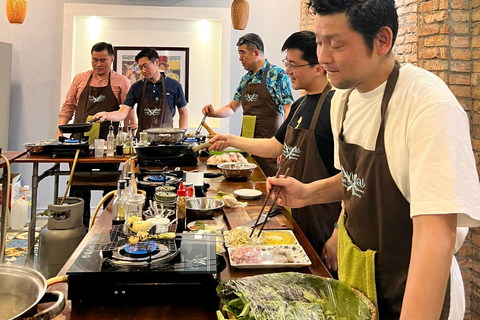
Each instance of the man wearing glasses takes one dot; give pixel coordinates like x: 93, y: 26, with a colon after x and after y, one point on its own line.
x: 265, y: 93
x: 309, y: 121
x: 98, y: 90
x: 156, y: 95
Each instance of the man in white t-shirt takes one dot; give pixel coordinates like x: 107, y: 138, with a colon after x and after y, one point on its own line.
x: 409, y: 178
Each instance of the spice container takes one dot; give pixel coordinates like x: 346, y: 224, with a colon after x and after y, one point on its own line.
x: 190, y: 190
x: 181, y: 208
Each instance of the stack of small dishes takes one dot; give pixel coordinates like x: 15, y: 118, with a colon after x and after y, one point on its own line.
x: 165, y: 198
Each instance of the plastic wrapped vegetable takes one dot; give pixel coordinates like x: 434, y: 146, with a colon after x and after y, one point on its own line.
x: 291, y: 296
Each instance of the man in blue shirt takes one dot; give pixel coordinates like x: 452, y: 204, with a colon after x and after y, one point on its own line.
x: 156, y: 96
x: 265, y: 93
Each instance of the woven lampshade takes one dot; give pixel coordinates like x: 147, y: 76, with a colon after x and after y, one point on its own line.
x: 240, y: 12
x: 16, y: 11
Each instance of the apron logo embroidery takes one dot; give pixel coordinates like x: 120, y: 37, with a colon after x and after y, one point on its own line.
x: 94, y: 99
x: 152, y: 112
x: 291, y: 152
x: 251, y: 97
x: 352, y: 182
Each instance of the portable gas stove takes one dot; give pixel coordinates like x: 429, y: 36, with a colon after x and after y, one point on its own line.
x: 109, y: 271
x: 166, y: 155
x: 66, y: 147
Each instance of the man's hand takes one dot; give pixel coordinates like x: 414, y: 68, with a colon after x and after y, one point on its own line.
x: 101, y: 116
x: 220, y: 142
x: 329, y: 253
x: 208, y: 110
x: 292, y: 193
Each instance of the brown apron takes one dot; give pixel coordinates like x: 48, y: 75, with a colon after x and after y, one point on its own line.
x: 300, y: 154
x: 154, y: 113
x: 377, y: 215
x: 257, y: 101
x: 94, y: 100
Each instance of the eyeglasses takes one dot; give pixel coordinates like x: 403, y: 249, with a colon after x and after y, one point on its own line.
x: 243, y: 40
x: 144, y: 66
x: 288, y: 65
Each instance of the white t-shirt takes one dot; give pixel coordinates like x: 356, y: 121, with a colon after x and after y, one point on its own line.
x: 428, y: 148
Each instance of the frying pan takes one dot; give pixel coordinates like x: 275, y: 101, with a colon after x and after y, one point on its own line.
x: 77, y: 127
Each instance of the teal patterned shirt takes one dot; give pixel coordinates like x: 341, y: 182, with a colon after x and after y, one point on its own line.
x: 277, y: 82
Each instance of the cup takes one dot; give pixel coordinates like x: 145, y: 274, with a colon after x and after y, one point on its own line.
x: 143, y: 139
x: 99, y: 147
x: 134, y: 205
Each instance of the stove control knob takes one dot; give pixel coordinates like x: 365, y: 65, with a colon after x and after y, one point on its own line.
x: 123, y: 292
x: 115, y: 292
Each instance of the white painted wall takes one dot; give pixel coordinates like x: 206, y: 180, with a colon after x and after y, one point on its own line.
x: 5, y: 84
x: 36, y: 72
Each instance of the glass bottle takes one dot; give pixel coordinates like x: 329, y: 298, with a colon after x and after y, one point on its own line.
x: 132, y: 186
x: 110, y: 141
x: 181, y: 208
x: 128, y: 141
x: 128, y: 190
x: 119, y: 141
x: 118, y: 215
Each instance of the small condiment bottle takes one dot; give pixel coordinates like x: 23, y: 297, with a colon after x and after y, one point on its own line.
x: 118, y: 214
x: 181, y: 208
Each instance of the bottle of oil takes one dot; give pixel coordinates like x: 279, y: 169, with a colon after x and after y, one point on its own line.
x: 110, y: 142
x: 119, y: 141
x: 119, y: 208
x: 129, y: 141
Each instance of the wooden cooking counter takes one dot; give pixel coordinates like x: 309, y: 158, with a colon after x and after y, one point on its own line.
x: 185, y: 311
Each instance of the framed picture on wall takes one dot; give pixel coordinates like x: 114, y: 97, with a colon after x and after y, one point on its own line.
x: 173, y: 60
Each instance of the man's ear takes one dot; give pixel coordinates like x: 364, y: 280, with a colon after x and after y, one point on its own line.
x: 257, y: 53
x: 320, y: 69
x: 383, y: 41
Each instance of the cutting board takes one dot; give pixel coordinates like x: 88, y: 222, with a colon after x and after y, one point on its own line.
x: 236, y: 217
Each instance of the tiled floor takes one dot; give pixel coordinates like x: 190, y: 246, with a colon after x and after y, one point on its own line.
x: 17, y: 242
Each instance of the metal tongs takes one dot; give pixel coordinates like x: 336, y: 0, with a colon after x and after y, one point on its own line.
x: 267, y: 215
x: 201, y: 125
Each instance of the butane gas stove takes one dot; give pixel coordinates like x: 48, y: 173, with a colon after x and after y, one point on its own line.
x: 66, y: 147
x: 108, y: 271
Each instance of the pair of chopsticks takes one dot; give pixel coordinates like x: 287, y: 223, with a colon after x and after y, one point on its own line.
x: 265, y: 203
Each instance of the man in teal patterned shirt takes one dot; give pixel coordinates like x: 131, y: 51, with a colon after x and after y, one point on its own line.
x: 265, y: 94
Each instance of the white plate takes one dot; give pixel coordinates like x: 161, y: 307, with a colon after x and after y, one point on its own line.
x: 247, y: 193
x: 209, y: 225
x: 265, y: 255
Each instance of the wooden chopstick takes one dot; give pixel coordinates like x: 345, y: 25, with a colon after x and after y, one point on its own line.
x: 264, y: 204
x: 273, y: 204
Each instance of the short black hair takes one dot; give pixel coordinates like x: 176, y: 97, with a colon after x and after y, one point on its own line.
x: 365, y: 16
x: 253, y: 41
x: 101, y: 46
x: 306, y: 43
x: 150, y: 53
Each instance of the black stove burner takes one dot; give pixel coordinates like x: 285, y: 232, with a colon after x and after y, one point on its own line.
x: 141, y: 249
x: 64, y: 147
x: 176, y: 271
x: 158, y: 178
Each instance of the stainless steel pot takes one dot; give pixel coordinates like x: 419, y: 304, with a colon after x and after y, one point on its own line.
x: 165, y: 135
x: 21, y: 289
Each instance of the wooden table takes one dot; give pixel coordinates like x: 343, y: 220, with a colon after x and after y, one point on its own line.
x: 55, y: 171
x: 182, y: 311
x: 11, y: 157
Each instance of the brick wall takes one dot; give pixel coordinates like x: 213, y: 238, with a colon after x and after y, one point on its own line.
x: 443, y: 36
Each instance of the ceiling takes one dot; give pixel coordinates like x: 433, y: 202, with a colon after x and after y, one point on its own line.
x: 160, y: 3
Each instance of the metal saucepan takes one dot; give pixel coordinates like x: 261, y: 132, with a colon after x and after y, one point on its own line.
x: 165, y: 135
x: 21, y: 289
x: 77, y: 127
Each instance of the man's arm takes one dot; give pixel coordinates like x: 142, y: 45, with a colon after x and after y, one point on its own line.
x: 224, y: 112
x: 116, y: 116
x: 432, y: 251
x: 267, y: 148
x: 295, y: 194
x: 286, y: 110
x: 183, y: 117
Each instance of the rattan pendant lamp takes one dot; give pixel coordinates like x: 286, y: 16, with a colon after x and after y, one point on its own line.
x: 240, y: 12
x: 16, y: 11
